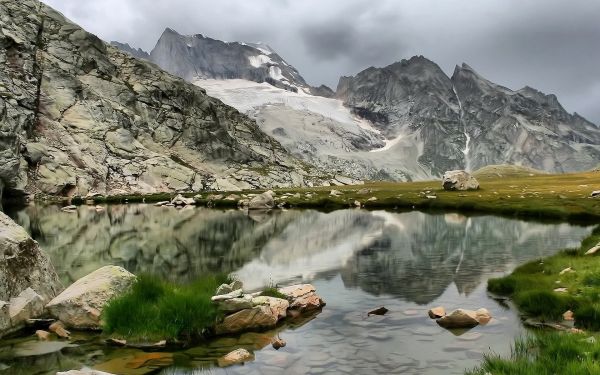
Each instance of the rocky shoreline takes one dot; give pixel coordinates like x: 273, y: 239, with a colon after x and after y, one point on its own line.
x: 36, y: 300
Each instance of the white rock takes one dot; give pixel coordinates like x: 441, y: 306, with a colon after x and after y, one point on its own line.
x: 81, y: 304
x: 27, y: 305
x: 459, y: 180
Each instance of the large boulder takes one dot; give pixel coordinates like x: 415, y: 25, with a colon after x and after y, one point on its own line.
x: 459, y: 180
x: 23, y: 264
x: 262, y: 201
x: 81, y: 304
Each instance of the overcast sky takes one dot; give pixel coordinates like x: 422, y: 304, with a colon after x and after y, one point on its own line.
x: 551, y: 45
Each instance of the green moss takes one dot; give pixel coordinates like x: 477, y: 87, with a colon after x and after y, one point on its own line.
x: 155, y: 309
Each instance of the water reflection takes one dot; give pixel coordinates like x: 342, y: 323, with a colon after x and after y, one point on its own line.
x: 357, y: 260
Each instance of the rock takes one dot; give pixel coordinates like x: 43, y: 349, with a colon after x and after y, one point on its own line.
x: 222, y: 297
x: 561, y: 290
x: 258, y: 317
x: 232, y: 197
x: 459, y: 319
x: 568, y: 269
x: 302, y: 297
x: 235, y: 357
x: 70, y: 208
x: 214, y: 197
x: 235, y: 304
x: 42, y: 335
x: 59, y: 329
x: 278, y: 343
x: 278, y: 306
x: 483, y: 316
x: 568, y: 315
x: 223, y: 289
x: 81, y: 304
x: 593, y: 250
x: 459, y: 180
x: 5, y: 323
x: 23, y: 264
x: 595, y: 193
x: 436, y: 312
x: 228, y: 288
x: 262, y: 201
x: 357, y: 204
x: 103, y: 121
x: 27, y: 305
x: 378, y: 311
x: 83, y: 372
x: 372, y: 199
x: 364, y: 191
x: 180, y: 200
x: 161, y: 203
x: 335, y: 193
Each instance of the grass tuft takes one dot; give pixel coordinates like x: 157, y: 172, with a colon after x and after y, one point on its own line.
x: 155, y: 309
x: 546, y: 354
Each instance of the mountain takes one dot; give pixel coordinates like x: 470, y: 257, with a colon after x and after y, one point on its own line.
x: 78, y: 115
x: 139, y: 53
x: 466, y: 121
x: 196, y: 56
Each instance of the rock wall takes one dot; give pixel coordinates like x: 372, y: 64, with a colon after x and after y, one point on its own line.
x: 81, y: 116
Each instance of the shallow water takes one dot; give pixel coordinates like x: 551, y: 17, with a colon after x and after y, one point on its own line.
x: 358, y: 260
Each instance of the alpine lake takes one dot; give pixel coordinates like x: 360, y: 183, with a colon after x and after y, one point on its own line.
x: 358, y: 260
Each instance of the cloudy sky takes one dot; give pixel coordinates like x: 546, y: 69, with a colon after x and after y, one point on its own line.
x: 551, y: 45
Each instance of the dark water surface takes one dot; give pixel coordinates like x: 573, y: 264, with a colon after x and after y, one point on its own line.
x: 358, y: 260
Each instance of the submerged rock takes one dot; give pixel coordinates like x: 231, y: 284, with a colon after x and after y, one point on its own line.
x: 235, y: 357
x: 459, y: 180
x: 59, y: 329
x: 81, y: 304
x: 378, y: 311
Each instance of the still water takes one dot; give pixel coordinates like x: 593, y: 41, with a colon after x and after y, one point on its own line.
x: 357, y: 260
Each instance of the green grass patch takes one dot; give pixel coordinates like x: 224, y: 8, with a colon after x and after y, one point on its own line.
x: 272, y: 291
x: 155, y: 309
x: 533, y: 286
x: 546, y: 354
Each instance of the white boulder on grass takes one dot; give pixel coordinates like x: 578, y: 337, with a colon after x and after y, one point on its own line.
x: 81, y: 304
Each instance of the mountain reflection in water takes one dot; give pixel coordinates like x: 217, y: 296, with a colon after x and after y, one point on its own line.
x: 413, y: 256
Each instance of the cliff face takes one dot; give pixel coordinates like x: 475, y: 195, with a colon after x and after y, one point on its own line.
x: 79, y: 116
x: 466, y: 121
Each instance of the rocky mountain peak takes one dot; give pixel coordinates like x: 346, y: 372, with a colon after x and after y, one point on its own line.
x: 103, y: 121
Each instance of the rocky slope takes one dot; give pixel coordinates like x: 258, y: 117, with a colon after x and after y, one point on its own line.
x: 196, y: 56
x: 79, y: 116
x: 466, y: 121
